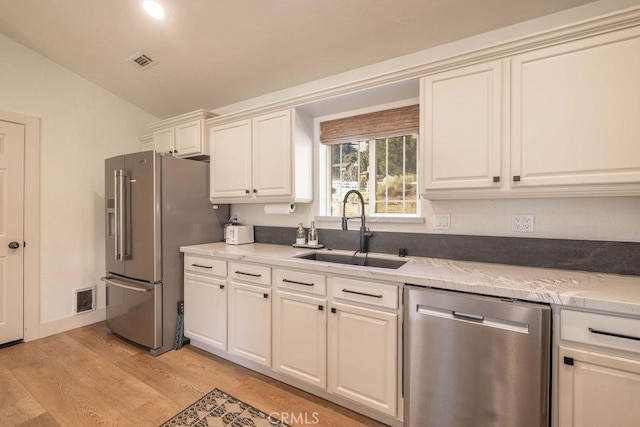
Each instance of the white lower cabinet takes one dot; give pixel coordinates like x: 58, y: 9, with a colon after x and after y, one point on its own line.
x: 363, y: 356
x: 250, y: 322
x: 336, y: 335
x: 300, y: 337
x: 598, y: 370
x: 205, y: 313
x: 598, y: 390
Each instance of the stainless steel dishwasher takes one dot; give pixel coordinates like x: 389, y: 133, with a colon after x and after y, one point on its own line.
x: 475, y: 361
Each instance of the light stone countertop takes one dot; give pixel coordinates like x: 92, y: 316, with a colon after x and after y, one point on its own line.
x: 596, y: 291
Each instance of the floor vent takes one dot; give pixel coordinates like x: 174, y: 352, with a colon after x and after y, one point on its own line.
x: 142, y: 60
x: 84, y: 299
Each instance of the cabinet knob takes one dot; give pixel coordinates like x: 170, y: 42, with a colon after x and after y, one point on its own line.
x: 496, y: 179
x: 333, y: 310
x: 14, y: 245
x: 221, y: 286
x: 516, y: 178
x: 170, y: 151
x: 246, y: 191
x: 255, y: 191
x: 175, y: 151
x: 321, y: 307
x: 265, y: 295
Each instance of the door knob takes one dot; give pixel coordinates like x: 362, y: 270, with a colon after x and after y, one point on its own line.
x: 14, y: 245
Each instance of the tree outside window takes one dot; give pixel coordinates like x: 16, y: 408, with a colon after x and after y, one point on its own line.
x: 384, y: 170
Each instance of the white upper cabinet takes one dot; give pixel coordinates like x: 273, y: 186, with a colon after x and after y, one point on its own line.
x: 555, y: 121
x: 272, y: 154
x: 262, y: 159
x: 575, y: 114
x: 230, y: 173
x: 182, y: 136
x: 461, y: 127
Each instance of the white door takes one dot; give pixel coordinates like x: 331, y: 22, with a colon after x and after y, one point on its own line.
x: 272, y: 154
x: 189, y: 139
x: 164, y: 140
x: 461, y: 127
x: 11, y: 231
x: 363, y: 356
x: 597, y: 390
x: 205, y: 310
x: 230, y: 150
x: 250, y: 322
x: 300, y: 337
x: 575, y: 112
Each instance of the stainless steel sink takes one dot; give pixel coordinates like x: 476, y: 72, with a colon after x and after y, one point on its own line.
x: 366, y: 261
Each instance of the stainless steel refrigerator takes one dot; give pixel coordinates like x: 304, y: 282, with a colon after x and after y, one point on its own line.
x: 154, y: 204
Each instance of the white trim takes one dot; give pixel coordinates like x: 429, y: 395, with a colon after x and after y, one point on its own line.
x: 31, y: 221
x: 64, y: 324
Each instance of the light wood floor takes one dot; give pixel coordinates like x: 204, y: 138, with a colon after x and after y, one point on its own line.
x: 87, y: 377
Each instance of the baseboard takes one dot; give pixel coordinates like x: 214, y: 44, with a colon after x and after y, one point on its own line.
x: 64, y: 324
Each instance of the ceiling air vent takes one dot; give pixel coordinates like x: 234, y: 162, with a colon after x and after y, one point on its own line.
x: 142, y: 60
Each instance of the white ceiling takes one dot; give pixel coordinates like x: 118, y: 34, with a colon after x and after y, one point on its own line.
x: 212, y: 53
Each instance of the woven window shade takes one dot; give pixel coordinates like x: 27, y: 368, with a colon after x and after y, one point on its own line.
x: 381, y: 124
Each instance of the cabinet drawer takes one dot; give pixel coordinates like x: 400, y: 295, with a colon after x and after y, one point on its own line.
x: 300, y: 281
x: 621, y: 333
x: 250, y: 273
x: 366, y: 292
x: 214, y: 267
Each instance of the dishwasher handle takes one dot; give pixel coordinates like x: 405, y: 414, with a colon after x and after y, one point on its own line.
x: 467, y: 316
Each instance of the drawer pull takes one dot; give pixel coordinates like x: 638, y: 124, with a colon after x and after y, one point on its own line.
x: 613, y: 334
x: 248, y: 274
x: 297, y: 283
x: 201, y: 266
x: 347, y: 291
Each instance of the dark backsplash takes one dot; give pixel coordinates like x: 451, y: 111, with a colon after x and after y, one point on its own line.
x: 586, y: 255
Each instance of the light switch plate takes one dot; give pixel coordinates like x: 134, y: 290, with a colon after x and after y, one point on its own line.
x: 442, y: 222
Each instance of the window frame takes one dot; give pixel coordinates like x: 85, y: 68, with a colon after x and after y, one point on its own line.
x: 324, y: 172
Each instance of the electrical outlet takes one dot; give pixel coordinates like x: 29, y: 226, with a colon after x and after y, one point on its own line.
x: 522, y: 223
x: 442, y: 222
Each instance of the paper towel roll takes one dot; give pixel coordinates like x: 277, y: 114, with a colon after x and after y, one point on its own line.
x: 279, y: 208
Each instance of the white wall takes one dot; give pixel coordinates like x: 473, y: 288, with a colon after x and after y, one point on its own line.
x: 605, y: 218
x: 81, y: 125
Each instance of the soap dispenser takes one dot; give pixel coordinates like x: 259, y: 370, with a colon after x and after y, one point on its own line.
x: 313, y: 235
x: 301, y: 235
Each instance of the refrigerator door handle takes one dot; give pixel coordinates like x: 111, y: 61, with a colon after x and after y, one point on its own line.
x: 121, y: 215
x: 129, y: 287
x: 117, y: 214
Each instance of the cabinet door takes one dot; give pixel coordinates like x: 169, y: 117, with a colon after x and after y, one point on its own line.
x: 230, y: 151
x: 205, y: 310
x: 300, y: 337
x: 363, y: 359
x: 575, y: 112
x: 597, y: 390
x: 272, y: 154
x: 250, y: 322
x: 461, y: 127
x: 189, y: 139
x: 164, y: 140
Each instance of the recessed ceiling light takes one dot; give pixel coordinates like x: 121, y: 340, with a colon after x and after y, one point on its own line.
x: 155, y: 10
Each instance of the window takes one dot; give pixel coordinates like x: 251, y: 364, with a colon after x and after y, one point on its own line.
x: 376, y: 154
x: 384, y: 170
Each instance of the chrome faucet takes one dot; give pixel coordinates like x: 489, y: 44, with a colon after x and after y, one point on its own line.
x: 364, y: 231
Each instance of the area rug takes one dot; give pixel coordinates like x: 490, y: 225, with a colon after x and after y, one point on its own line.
x: 218, y: 408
